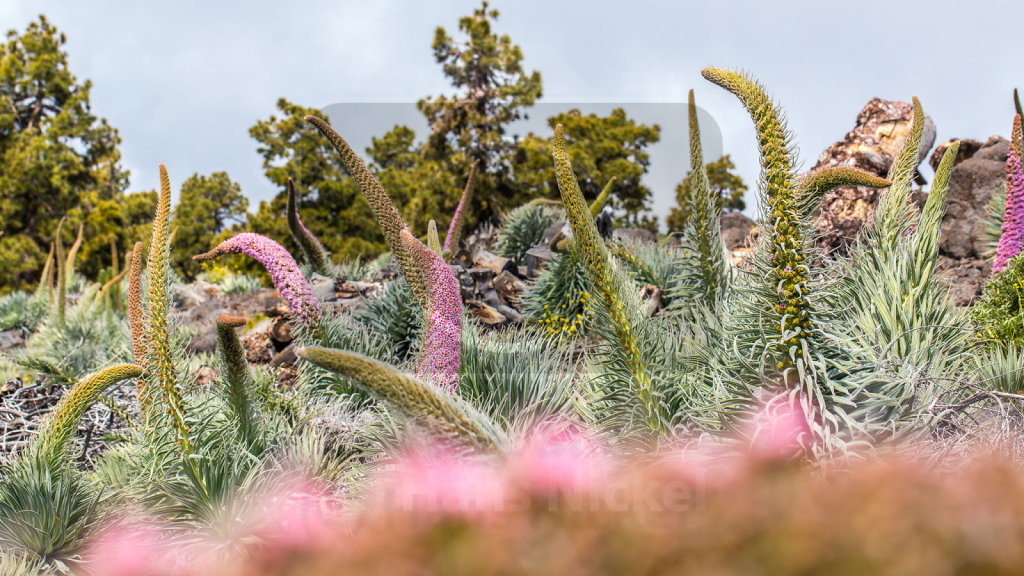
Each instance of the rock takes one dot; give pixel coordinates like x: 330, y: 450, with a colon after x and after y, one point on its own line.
x: 286, y: 356
x: 652, y: 294
x: 206, y: 376
x: 489, y: 260
x: 323, y: 288
x: 967, y: 149
x: 736, y: 226
x: 508, y: 286
x: 487, y: 315
x: 881, y: 128
x: 634, y: 235
x: 280, y: 332
x: 557, y: 229
x: 287, y: 375
x: 11, y: 339
x: 536, y: 258
x: 966, y: 278
x: 257, y: 347
x: 971, y: 186
x: 513, y: 316
x: 604, y: 224
x: 510, y: 268
x: 481, y: 279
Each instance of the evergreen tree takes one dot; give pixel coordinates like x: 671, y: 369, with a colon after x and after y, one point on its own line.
x: 600, y: 148
x: 57, y: 158
x: 206, y: 206
x: 492, y: 91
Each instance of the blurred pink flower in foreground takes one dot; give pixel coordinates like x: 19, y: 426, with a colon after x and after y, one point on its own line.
x: 131, y: 549
x: 436, y: 480
x: 779, y: 428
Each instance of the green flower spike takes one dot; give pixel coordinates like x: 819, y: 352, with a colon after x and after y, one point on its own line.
x: 703, y: 229
x: 62, y: 272
x: 315, y: 253
x: 62, y: 422
x: 384, y: 210
x: 602, y: 199
x: 236, y: 377
x: 441, y: 414
x: 784, y: 233
x: 602, y: 275
x: 158, y: 338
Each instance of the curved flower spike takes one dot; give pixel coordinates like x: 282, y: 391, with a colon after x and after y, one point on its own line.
x: 441, y: 414
x: 599, y: 203
x: 384, y: 210
x: 62, y: 272
x: 63, y: 420
x: 439, y: 358
x: 315, y: 253
x: 451, y: 240
x: 284, y: 272
x: 786, y: 231
x: 815, y: 185
x: 1011, y: 241
x: 432, y: 240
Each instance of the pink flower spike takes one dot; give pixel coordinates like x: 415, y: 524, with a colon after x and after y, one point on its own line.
x: 284, y: 272
x: 1011, y: 241
x: 440, y: 356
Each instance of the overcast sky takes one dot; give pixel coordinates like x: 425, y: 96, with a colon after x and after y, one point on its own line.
x: 183, y: 83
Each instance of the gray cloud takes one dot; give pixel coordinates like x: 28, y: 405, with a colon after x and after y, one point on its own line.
x: 183, y: 83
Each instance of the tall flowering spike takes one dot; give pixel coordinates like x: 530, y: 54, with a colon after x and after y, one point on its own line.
x: 439, y: 358
x: 595, y: 258
x: 236, y: 376
x: 315, y: 253
x: 384, y: 210
x: 136, y: 313
x: 815, y: 185
x: 49, y: 278
x: 602, y: 199
x: 46, y: 277
x: 105, y: 289
x: 438, y: 413
x: 62, y: 272
x: 926, y: 237
x: 63, y: 420
x: 785, y: 232
x: 284, y: 273
x: 1016, y: 103
x: 160, y: 366
x: 451, y: 240
x: 433, y: 242
x: 73, y: 251
x: 895, y: 212
x: 1011, y: 241
x: 703, y: 229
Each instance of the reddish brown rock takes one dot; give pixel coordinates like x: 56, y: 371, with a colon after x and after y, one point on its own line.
x: 882, y: 128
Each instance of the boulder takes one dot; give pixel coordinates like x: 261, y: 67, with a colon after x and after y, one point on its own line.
x: 881, y: 129
x: 972, y: 184
x: 487, y: 315
x: 736, y: 226
x: 536, y: 258
x: 11, y: 339
x: 634, y: 235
